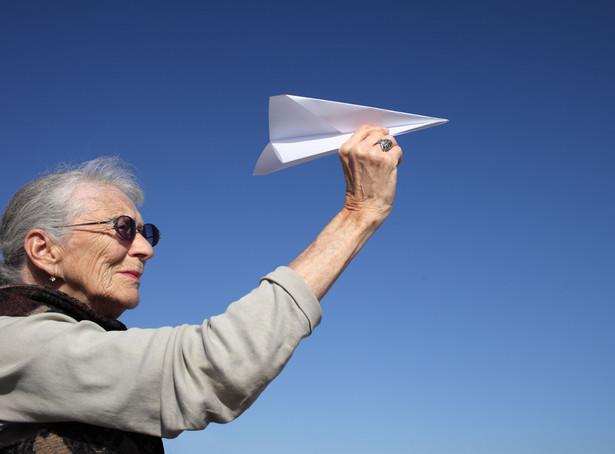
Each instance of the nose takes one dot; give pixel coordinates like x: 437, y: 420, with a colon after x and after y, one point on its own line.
x: 141, y: 248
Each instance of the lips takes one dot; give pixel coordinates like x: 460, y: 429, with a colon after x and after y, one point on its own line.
x: 133, y: 274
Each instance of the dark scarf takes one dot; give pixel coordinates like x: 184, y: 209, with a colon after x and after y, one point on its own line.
x: 67, y: 437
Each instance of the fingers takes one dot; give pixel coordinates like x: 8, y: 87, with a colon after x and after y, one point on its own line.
x: 366, y: 140
x: 395, y: 151
x: 361, y: 135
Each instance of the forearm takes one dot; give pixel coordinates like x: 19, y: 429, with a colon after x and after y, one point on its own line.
x: 326, y: 258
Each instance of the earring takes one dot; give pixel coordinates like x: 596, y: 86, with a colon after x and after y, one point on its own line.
x: 52, y: 278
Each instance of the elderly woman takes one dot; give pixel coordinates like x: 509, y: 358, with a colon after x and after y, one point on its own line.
x: 74, y: 379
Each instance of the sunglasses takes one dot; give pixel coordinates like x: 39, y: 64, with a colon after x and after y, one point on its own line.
x: 126, y: 227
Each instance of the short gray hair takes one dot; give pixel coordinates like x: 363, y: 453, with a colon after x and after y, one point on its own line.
x: 48, y: 202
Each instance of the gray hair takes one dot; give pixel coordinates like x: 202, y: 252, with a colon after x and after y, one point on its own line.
x: 48, y: 202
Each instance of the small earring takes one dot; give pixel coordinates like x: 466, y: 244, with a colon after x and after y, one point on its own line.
x: 52, y: 278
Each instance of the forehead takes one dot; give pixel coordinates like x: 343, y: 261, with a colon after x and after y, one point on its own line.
x: 105, y: 201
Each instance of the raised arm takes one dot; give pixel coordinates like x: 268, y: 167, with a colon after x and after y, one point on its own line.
x: 371, y: 179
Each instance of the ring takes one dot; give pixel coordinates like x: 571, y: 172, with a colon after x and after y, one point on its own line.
x: 385, y: 144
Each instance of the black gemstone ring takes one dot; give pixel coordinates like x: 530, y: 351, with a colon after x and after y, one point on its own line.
x: 385, y: 144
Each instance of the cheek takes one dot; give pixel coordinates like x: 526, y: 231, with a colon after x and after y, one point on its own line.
x: 106, y: 266
x: 96, y: 264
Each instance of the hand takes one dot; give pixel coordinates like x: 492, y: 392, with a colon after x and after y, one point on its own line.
x: 371, y: 177
x: 371, y: 174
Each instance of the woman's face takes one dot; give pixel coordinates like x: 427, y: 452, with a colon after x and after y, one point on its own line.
x: 97, y: 266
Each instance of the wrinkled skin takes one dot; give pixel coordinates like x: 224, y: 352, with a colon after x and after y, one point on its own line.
x: 370, y: 173
x: 95, y: 264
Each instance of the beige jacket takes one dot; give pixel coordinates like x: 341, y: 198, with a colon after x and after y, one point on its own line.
x: 154, y: 381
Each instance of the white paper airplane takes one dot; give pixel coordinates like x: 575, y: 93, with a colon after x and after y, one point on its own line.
x: 302, y: 129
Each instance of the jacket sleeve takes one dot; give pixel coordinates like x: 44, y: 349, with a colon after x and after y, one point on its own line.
x: 155, y: 381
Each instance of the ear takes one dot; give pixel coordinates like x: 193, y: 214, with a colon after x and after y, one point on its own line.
x: 42, y: 252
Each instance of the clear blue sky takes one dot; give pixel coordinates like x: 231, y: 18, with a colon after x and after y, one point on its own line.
x: 479, y: 319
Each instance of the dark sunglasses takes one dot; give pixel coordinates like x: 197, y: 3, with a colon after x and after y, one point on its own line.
x: 126, y: 227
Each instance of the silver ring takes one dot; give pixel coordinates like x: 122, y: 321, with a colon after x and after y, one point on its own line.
x: 385, y: 144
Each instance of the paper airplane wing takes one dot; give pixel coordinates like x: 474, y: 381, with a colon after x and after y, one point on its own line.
x: 302, y: 129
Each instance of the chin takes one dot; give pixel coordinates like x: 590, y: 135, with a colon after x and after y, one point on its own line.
x: 131, y: 303
x: 126, y: 302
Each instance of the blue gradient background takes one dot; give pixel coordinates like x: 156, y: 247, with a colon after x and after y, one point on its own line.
x: 479, y: 319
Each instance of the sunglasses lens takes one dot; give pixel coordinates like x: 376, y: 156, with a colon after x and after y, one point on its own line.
x: 151, y: 234
x: 126, y: 227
